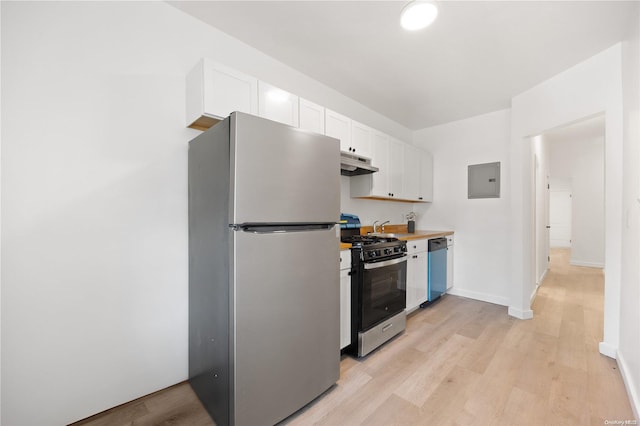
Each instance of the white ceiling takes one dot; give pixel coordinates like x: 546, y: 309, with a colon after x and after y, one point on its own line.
x: 472, y: 60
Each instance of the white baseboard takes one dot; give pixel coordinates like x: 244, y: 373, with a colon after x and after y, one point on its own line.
x: 491, y: 298
x: 520, y: 314
x: 587, y: 264
x: 544, y: 275
x: 534, y: 293
x: 607, y: 350
x: 632, y: 387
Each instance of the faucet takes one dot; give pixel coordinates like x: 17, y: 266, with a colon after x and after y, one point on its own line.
x: 374, y: 225
x: 382, y: 225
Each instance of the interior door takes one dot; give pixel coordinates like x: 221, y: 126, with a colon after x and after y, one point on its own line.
x: 560, y: 218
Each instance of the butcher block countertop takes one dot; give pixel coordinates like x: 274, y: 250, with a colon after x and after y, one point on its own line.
x: 400, y: 232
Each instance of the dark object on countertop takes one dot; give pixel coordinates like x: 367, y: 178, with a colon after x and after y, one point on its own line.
x: 411, y: 226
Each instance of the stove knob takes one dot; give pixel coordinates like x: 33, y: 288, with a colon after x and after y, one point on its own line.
x: 387, y: 251
x: 372, y: 253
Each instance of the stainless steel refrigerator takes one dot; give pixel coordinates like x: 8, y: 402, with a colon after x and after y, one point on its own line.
x: 264, y: 306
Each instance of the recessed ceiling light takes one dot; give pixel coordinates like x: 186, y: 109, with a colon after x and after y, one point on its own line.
x: 418, y: 14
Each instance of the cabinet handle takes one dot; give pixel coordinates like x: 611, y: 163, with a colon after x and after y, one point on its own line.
x: 419, y: 198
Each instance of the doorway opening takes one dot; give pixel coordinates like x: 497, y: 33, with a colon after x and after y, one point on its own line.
x: 569, y: 193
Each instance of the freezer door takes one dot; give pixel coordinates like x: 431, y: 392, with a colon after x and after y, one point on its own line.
x: 280, y: 174
x: 286, y: 335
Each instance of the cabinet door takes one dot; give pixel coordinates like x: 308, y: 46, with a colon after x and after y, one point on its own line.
x: 417, y: 265
x: 396, y: 168
x: 411, y: 178
x: 426, y: 177
x: 311, y: 116
x: 345, y: 308
x: 380, y: 159
x: 277, y: 105
x: 214, y: 91
x: 338, y: 126
x: 361, y: 139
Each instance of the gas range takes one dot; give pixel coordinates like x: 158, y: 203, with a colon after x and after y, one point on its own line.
x: 378, y: 289
x: 374, y: 248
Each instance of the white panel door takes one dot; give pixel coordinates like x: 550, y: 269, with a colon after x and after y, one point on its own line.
x: 361, y: 139
x: 426, y: 176
x: 411, y: 184
x: 277, y: 105
x: 311, y: 116
x: 560, y: 218
x: 380, y: 159
x: 227, y: 90
x: 396, y: 168
x: 338, y: 126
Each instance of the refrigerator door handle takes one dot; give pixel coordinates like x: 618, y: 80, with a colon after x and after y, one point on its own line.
x: 281, y: 228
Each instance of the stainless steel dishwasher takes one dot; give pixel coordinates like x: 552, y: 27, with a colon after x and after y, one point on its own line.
x: 437, y: 282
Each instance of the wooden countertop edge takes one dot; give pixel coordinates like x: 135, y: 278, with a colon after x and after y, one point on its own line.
x: 418, y: 235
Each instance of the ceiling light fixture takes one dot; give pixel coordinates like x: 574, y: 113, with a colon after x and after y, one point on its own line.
x: 418, y: 14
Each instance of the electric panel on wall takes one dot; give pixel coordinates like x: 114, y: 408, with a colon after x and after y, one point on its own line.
x: 484, y: 180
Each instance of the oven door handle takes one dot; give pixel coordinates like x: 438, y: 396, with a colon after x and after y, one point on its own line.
x: 385, y: 263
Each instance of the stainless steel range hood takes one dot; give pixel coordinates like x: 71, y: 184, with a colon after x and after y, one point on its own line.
x: 353, y: 165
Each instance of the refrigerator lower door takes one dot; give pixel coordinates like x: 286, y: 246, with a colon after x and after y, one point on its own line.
x: 286, y: 330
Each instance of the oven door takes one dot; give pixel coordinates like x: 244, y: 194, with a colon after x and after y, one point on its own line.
x: 383, y: 291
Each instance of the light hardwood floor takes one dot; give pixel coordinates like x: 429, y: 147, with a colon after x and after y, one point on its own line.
x: 460, y: 362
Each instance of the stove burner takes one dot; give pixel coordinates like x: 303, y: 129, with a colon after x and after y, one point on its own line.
x: 372, y: 248
x: 363, y: 240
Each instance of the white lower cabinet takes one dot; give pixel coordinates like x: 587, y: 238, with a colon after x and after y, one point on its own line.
x: 417, y: 273
x: 345, y: 298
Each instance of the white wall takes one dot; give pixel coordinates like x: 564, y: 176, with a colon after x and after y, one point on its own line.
x: 94, y: 192
x: 585, y: 90
x: 371, y: 210
x: 582, y: 162
x: 481, y: 225
x: 629, y: 348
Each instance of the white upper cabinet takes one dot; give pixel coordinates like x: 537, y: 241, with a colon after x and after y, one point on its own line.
x: 277, y: 105
x: 374, y: 185
x: 405, y: 172
x: 338, y: 126
x: 426, y: 177
x: 361, y: 139
x: 380, y: 159
x: 411, y: 178
x: 214, y: 91
x: 396, y: 168
x: 311, y: 116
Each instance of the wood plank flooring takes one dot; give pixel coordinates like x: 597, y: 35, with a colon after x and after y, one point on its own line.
x: 460, y: 362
